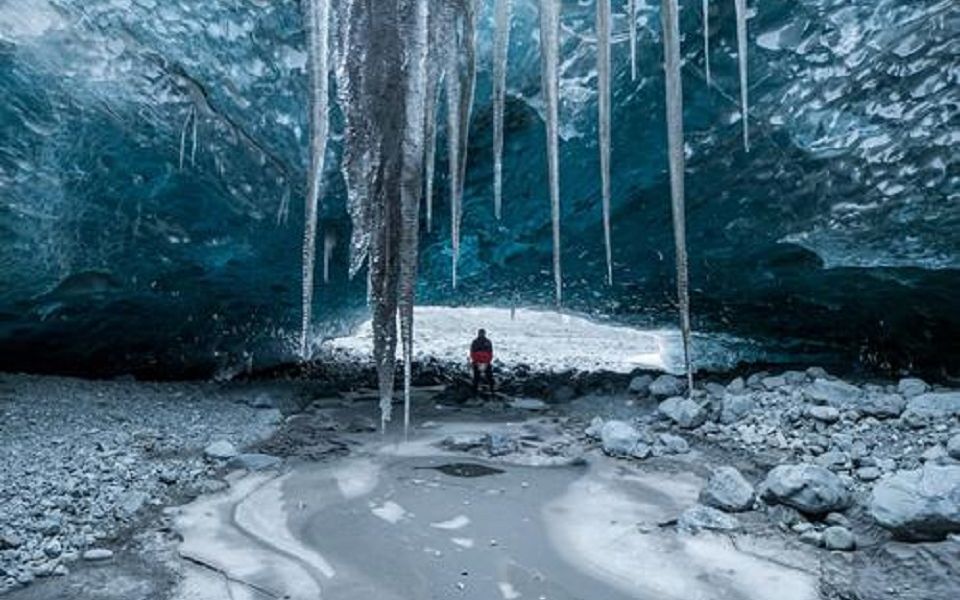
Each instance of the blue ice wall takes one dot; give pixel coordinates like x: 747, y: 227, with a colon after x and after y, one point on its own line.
x: 838, y: 235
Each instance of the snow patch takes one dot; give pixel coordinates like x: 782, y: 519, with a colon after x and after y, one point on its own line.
x: 458, y: 522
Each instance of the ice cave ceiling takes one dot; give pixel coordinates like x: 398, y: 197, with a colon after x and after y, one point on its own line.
x: 125, y: 249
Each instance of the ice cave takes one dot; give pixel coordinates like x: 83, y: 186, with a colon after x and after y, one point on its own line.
x: 480, y: 299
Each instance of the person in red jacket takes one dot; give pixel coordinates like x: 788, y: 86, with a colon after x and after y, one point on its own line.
x: 481, y: 357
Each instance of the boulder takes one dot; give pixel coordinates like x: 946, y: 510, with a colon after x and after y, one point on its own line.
x: 827, y: 414
x: 728, y: 490
x: 593, y: 430
x: 699, y: 517
x: 667, y: 385
x: 926, y: 408
x: 737, y: 386
x: 919, y: 505
x: 501, y: 444
x: 683, y: 411
x: 912, y: 386
x: 953, y: 447
x: 839, y: 538
x: 640, y: 385
x: 619, y: 438
x: 220, y: 450
x: 97, y: 554
x: 253, y: 462
x: 809, y: 488
x: 735, y: 407
x: 882, y: 406
x: 464, y: 442
x: 773, y: 382
x: 673, y: 444
x: 832, y: 392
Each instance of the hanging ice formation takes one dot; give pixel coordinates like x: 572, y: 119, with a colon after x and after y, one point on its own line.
x: 632, y: 24
x: 549, y: 64
x: 741, y: 10
x: 500, y: 46
x: 603, y: 103
x: 191, y: 118
x: 317, y: 21
x: 674, y: 100
x: 706, y: 40
x: 329, y: 243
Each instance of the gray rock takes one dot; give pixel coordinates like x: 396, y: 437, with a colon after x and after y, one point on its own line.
x: 529, y: 404
x: 839, y: 538
x: 674, y: 444
x: 926, y: 408
x: 728, y: 490
x: 683, y: 411
x: 882, y: 406
x: 918, y: 505
x: 131, y: 502
x: 735, y: 407
x: 641, y: 451
x: 934, y: 453
x: 97, y: 554
x: 699, y: 517
x: 640, y: 385
x: 912, y: 386
x: 737, y: 386
x: 812, y: 537
x: 715, y: 389
x: 868, y: 473
x: 809, y: 488
x: 9, y: 541
x: 593, y: 430
x: 53, y: 549
x: 774, y: 382
x: 619, y: 438
x: 832, y: 392
x: 220, y: 450
x: 667, y: 385
x: 253, y: 462
x: 500, y: 444
x: 827, y: 414
x: 464, y: 442
x: 817, y: 372
x: 953, y: 447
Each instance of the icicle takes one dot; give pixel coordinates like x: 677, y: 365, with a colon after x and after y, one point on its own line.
x: 549, y: 64
x: 329, y: 243
x: 500, y: 48
x: 430, y: 127
x: 706, y: 39
x: 674, y: 100
x: 317, y: 25
x: 632, y: 24
x: 603, y: 102
x: 193, y: 148
x: 417, y: 91
x: 183, y: 137
x: 741, y: 10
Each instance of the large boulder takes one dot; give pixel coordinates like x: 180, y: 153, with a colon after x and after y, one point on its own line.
x: 667, y: 385
x: 684, y: 412
x: 619, y: 438
x: 728, y: 490
x: 911, y: 386
x: 927, y: 408
x: 809, y: 488
x: 832, y: 392
x: 919, y: 505
x: 882, y: 406
x: 735, y: 407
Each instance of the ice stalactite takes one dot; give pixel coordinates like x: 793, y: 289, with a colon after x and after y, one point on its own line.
x: 193, y: 145
x: 430, y: 134
x: 500, y: 47
x: 329, y: 243
x: 317, y: 19
x: 549, y: 65
x: 603, y: 102
x: 706, y: 41
x: 632, y: 25
x: 191, y: 117
x: 675, y: 146
x: 417, y: 90
x: 460, y: 79
x: 741, y: 10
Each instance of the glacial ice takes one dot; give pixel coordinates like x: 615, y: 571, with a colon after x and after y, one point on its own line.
x: 550, y: 86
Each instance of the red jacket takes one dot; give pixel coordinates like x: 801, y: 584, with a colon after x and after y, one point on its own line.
x: 481, y: 351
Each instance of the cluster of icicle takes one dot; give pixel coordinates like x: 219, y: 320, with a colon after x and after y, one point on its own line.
x: 393, y: 63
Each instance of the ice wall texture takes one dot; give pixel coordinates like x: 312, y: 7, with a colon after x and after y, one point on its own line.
x: 836, y: 235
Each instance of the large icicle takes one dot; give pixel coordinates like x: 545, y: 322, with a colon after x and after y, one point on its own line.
x: 632, y: 24
x: 430, y: 127
x: 706, y: 40
x: 603, y: 102
x: 500, y: 48
x: 549, y: 65
x: 329, y: 243
x: 417, y: 90
x: 741, y: 10
x: 674, y: 100
x: 318, y: 25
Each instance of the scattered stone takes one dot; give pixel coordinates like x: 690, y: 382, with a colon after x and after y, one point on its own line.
x: 220, y: 450
x: 667, y: 385
x: 735, y: 407
x: 827, y: 414
x: 809, y: 488
x: 593, y: 430
x: 912, y: 386
x: 97, y: 554
x: 934, y: 407
x: 934, y: 454
x: 619, y: 438
x: 673, y: 444
x: 640, y: 385
x: 53, y: 549
x: 737, y: 386
x: 464, y: 442
x: 839, y: 538
x: 9, y: 541
x: 817, y: 373
x: 832, y: 392
x: 774, y: 382
x: 641, y: 451
x: 253, y: 462
x: 919, y: 505
x: 131, y: 502
x: 953, y: 447
x: 500, y: 444
x: 882, y: 406
x: 813, y: 537
x: 683, y: 411
x: 699, y: 517
x: 529, y: 404
x: 728, y: 490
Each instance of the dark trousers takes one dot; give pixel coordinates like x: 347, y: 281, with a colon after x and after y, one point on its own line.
x: 477, y: 370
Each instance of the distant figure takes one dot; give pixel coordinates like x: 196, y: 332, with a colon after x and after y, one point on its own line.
x: 481, y: 357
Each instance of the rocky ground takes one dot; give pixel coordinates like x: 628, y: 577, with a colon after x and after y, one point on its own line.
x: 866, y: 475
